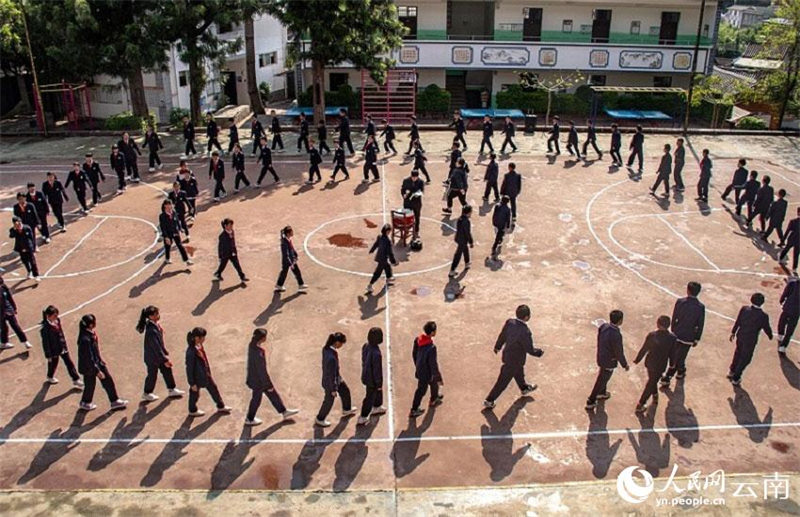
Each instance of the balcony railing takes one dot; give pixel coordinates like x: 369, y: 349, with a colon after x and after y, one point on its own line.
x: 615, y: 38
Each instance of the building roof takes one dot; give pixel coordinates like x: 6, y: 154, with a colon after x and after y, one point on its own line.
x: 757, y: 64
x: 759, y: 51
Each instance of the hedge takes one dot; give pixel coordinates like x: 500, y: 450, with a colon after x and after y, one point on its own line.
x: 433, y: 99
x: 127, y: 121
x: 751, y: 122
x: 176, y: 116
x: 515, y: 97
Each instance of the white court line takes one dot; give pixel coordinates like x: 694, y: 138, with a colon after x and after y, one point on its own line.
x: 77, y: 245
x: 387, y: 324
x: 688, y: 243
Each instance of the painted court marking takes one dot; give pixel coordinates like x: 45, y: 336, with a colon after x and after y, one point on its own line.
x: 688, y: 242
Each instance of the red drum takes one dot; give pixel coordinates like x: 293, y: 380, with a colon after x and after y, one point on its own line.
x: 402, y: 218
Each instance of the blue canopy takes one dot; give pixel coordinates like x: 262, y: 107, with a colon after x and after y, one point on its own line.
x: 494, y: 113
x: 330, y: 111
x: 637, y: 114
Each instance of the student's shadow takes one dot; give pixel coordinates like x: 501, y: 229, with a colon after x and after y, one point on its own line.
x: 485, y: 208
x: 154, y: 278
x: 453, y: 290
x: 613, y: 169
x: 331, y: 184
x: 599, y: 449
x: 17, y: 289
x: 214, y: 294
x: 747, y: 415
x: 634, y: 175
x: 446, y: 225
x: 681, y: 422
x: 308, y: 461
x: 274, y: 307
x: 790, y: 371
x: 704, y: 208
x: 361, y: 188
x: 406, y: 446
x: 497, y: 443
x: 677, y: 196
x: 551, y: 159
x: 369, y: 304
x: 662, y: 202
x: 305, y: 187
x: 651, y: 451
x: 37, y: 405
x: 570, y: 163
x: 588, y: 163
x: 352, y: 457
x: 24, y: 355
x: 493, y: 265
x: 174, y: 449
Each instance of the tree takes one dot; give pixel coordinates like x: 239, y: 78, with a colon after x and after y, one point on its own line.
x: 362, y: 32
x: 550, y: 85
x: 784, y: 36
x: 251, y: 8
x: 13, y: 55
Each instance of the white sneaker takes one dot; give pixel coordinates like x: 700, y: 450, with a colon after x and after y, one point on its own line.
x: 779, y: 338
x: 28, y: 345
x: 452, y: 274
x: 321, y: 423
x: 6, y: 346
x: 279, y: 289
x: 37, y: 278
x: 255, y: 421
x: 225, y: 409
x: 87, y: 407
x: 781, y: 349
x: 167, y: 261
x: 289, y: 413
x: 175, y: 393
x: 189, y: 262
x: 350, y: 412
x: 149, y: 397
x: 303, y: 287
x: 151, y: 169
x: 378, y: 410
x: 160, y: 166
x: 362, y: 420
x: 197, y: 413
x: 30, y: 276
x: 77, y: 384
x: 47, y: 240
x: 51, y: 380
x: 119, y: 404
x: 369, y: 289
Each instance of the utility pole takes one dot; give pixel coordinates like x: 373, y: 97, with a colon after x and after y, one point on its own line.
x: 37, y: 95
x: 694, y: 65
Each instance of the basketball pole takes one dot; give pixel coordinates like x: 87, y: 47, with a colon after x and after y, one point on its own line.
x: 37, y: 96
x: 694, y: 66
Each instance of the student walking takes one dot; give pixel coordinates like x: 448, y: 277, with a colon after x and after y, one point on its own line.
x: 226, y: 250
x: 257, y: 133
x: 419, y: 161
x: 705, y: 177
x: 384, y: 256
x: 463, y: 240
x: 746, y: 329
x: 95, y: 175
x: 117, y: 163
x: 791, y: 241
x: 55, y: 194
x: 339, y: 162
x: 370, y: 160
x: 79, y: 181
x: 737, y: 182
x: 488, y: 132
x: 212, y: 133
x: 512, y: 187
x: 412, y: 191
x: 233, y: 134
x: 130, y: 151
x: 343, y: 128
x: 664, y: 172
x: 458, y: 126
x: 198, y: 373
x: 25, y: 245
x: 37, y: 200
x: 265, y: 158
x: 591, y: 138
x: 259, y: 382
x: 516, y: 342
x: 153, y: 144
x: 458, y: 186
x: 372, y: 376
x: 170, y: 226
x: 688, y: 320
x: 55, y: 347
x: 27, y: 213
x: 188, y: 183
x: 332, y: 381
x: 637, y: 149
x: 426, y: 370
x: 302, y: 138
x: 93, y: 368
x: 181, y: 206
x: 552, y: 140
x: 389, y: 136
x: 314, y: 159
x: 289, y: 262
x: 237, y: 163
x: 8, y: 317
x: 509, y: 130
x: 790, y: 313
x: 188, y: 138
x: 775, y: 215
x: 616, y: 145
x: 156, y: 357
x: 656, y: 350
x: 679, y: 160
x: 322, y: 137
x: 572, y: 140
x: 610, y: 353
x: 761, y: 204
x: 413, y: 135
x: 501, y: 221
x: 369, y: 131
x: 749, y: 196
x: 490, y: 177
x: 216, y: 170
x: 275, y: 127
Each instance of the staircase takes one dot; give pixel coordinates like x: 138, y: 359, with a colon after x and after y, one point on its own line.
x: 395, y: 100
x: 457, y: 86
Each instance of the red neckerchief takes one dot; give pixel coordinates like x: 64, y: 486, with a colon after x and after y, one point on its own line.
x: 291, y: 245
x: 201, y: 352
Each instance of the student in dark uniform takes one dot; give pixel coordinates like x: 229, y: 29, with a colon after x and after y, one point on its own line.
x: 256, y: 133
x: 372, y: 376
x: 275, y: 128
x: 512, y: 187
x: 369, y: 131
x: 737, y: 182
x: 170, y: 227
x: 79, y: 181
x: 591, y: 138
x: 746, y: 329
x: 55, y: 346
x: 488, y: 132
x: 340, y: 162
x: 370, y: 160
x: 458, y: 186
x: 212, y: 132
x: 198, y: 373
x: 25, y: 245
x: 490, y: 177
x: 156, y: 357
x: 552, y: 140
x: 501, y: 221
x: 458, y: 126
x: 688, y: 320
x: 749, y: 196
x: 130, y: 151
x: 55, y: 194
x: 679, y: 160
x: 426, y: 370
x: 302, y: 138
x: 27, y: 212
x: 289, y: 262
x: 95, y: 175
x: 153, y: 144
x: 616, y: 144
x: 265, y: 158
x: 463, y: 240
x: 233, y: 134
x: 455, y: 155
x: 117, y: 163
x: 332, y: 381
x: 93, y: 368
x: 259, y: 382
x: 509, y: 129
x: 314, y: 159
x: 610, y: 352
x: 419, y: 161
x: 237, y: 164
x: 216, y: 170
x: 516, y: 342
x: 8, y: 317
x: 637, y: 149
x: 384, y: 256
x: 705, y: 177
x: 322, y: 137
x: 787, y: 323
x: 791, y: 241
x: 664, y: 172
x: 189, y: 185
x: 656, y: 350
x: 39, y: 203
x: 775, y: 215
x: 226, y: 250
x: 572, y: 140
x: 388, y: 134
x: 763, y: 201
x: 181, y: 206
x: 188, y: 137
x: 344, y: 130
x: 413, y: 135
x: 412, y: 190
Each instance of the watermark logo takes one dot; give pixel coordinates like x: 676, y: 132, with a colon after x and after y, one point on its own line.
x: 631, y: 490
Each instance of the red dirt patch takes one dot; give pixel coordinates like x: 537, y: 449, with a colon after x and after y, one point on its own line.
x: 370, y: 224
x: 781, y: 447
x: 771, y: 283
x: 345, y: 240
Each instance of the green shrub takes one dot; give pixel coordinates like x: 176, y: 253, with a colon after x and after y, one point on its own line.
x: 433, y: 99
x: 264, y: 91
x: 751, y: 123
x: 343, y: 96
x: 176, y: 116
x: 122, y: 121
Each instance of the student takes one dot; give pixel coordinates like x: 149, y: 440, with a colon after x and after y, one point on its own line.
x: 156, y: 357
x: 314, y: 159
x: 212, y: 132
x: 490, y: 177
x: 749, y: 196
x: 95, y: 175
x: 92, y: 366
x: 117, y: 163
x: 55, y: 346
x: 289, y: 262
x: 340, y: 162
x: 198, y: 373
x: 679, y: 159
x: 572, y: 140
x: 616, y: 144
x: 705, y: 177
x: 233, y: 135
x: 170, y: 227
x: 25, y: 245
x: 153, y: 144
x: 426, y: 370
x: 488, y: 132
x: 302, y: 139
x: 552, y: 140
x: 516, y: 342
x: 775, y: 215
x: 259, y: 382
x: 509, y: 129
x: 275, y: 127
x: 237, y: 164
x: 226, y: 250
x: 790, y: 313
x: 656, y: 350
x: 664, y: 172
x: 591, y: 138
x: 463, y: 240
x: 746, y: 329
x: 412, y: 191
x: 257, y: 134
x: 37, y: 200
x: 688, y: 320
x: 332, y: 381
x: 8, y: 317
x: 188, y: 183
x: 791, y: 241
x: 455, y: 155
x: 130, y: 151
x: 188, y: 138
x: 419, y: 161
x: 55, y: 194
x: 389, y: 136
x: 761, y: 204
x: 637, y: 149
x: 458, y: 125
x: 265, y: 158
x: 501, y: 221
x: 180, y: 205
x: 384, y: 256
x: 216, y: 170
x: 413, y: 135
x: 27, y: 213
x: 458, y: 187
x: 322, y: 137
x: 370, y: 160
x: 372, y: 376
x: 610, y: 352
x: 369, y: 131
x: 512, y: 187
x: 737, y: 182
x: 79, y: 182
x: 343, y: 128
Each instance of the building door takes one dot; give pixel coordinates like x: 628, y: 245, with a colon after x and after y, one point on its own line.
x: 601, y: 25
x: 532, y: 24
x: 669, y: 28
x: 230, y: 87
x: 290, y: 85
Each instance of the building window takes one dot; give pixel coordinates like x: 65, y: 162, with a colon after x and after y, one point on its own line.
x: 224, y: 27
x: 335, y: 80
x: 407, y: 14
x: 662, y: 81
x: 586, y: 29
x: 183, y: 78
x: 270, y: 58
x: 655, y: 30
x: 566, y: 26
x: 706, y: 29
x: 597, y: 80
x: 636, y: 27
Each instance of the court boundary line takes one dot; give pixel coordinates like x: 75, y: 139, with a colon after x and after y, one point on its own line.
x: 688, y: 242
x: 76, y: 246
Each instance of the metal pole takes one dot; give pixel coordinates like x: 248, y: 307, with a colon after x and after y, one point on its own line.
x: 37, y: 95
x: 694, y: 65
